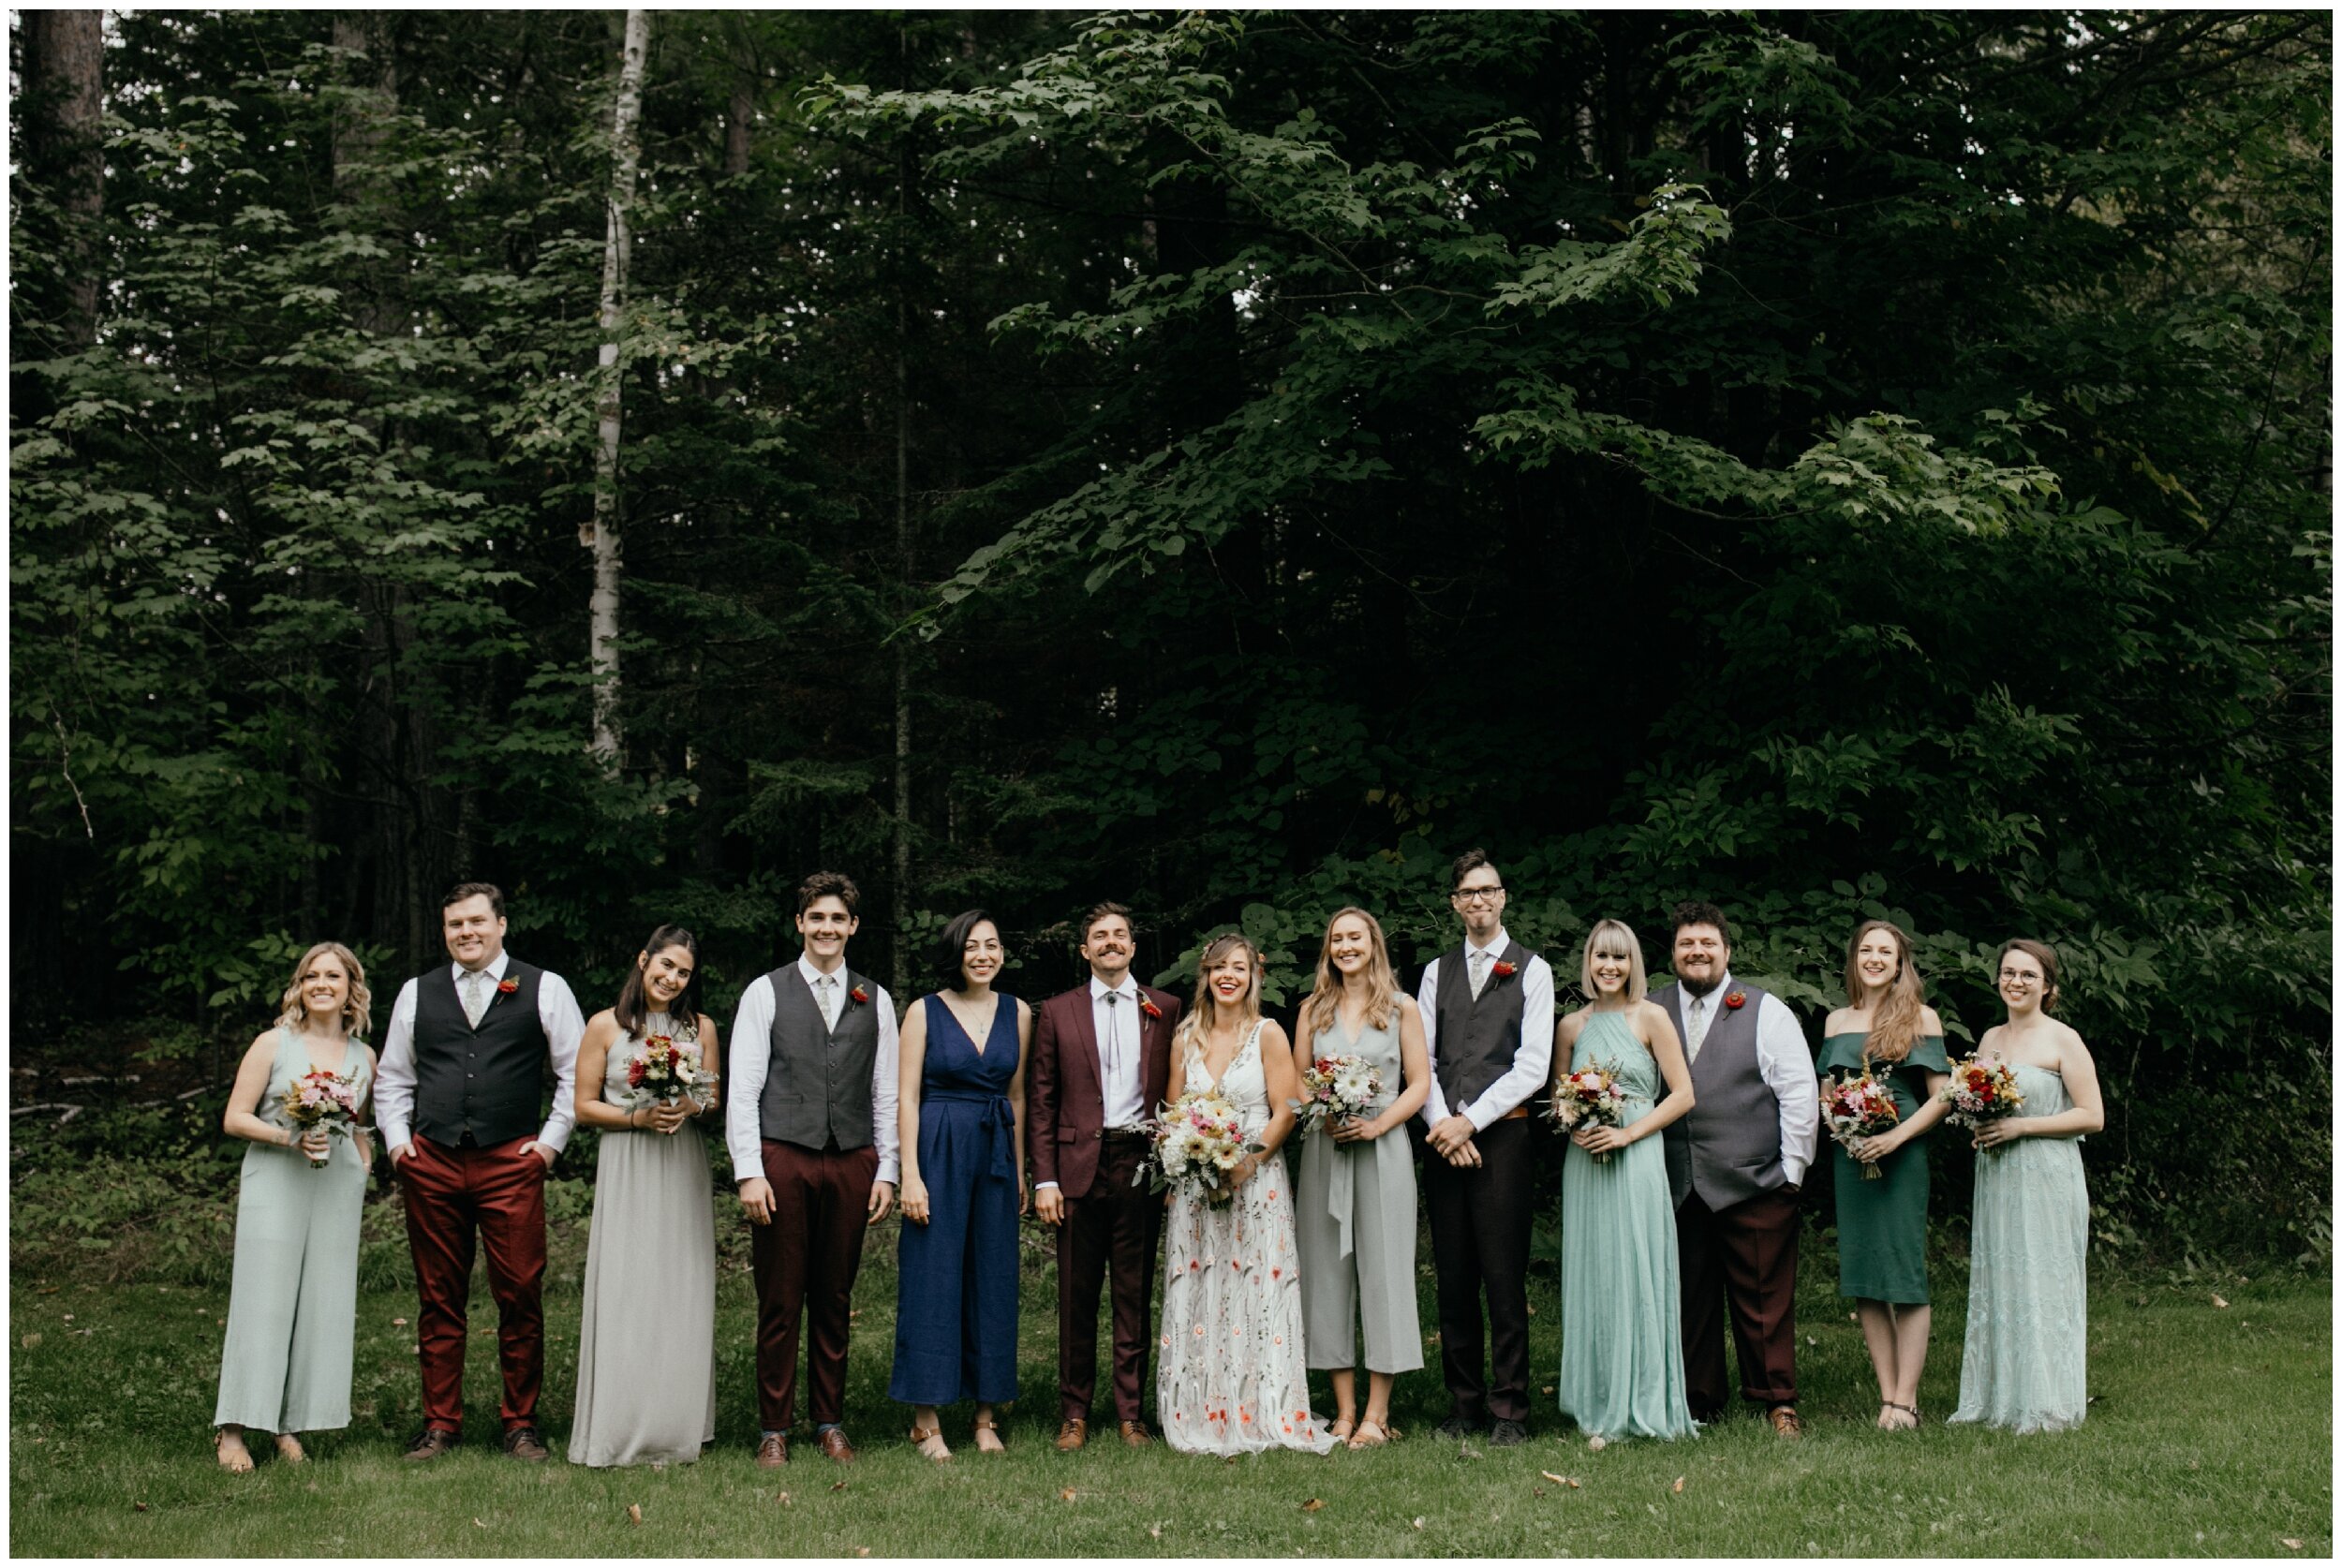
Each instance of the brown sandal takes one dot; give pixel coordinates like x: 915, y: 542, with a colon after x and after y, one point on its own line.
x: 987, y: 1424
x: 1360, y: 1440
x: 922, y: 1436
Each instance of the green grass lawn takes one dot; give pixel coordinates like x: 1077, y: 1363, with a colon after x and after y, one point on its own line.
x: 2209, y: 1434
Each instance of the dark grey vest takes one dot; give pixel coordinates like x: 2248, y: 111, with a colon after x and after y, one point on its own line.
x: 490, y: 1081
x: 817, y: 1087
x: 1478, y: 1037
x: 1727, y: 1148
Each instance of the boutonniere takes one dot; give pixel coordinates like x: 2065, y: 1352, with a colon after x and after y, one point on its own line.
x: 1147, y: 1005
x: 505, y: 987
x: 858, y: 996
x: 1737, y: 1000
x: 1503, y: 970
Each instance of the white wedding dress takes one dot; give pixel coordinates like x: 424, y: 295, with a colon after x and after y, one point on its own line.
x: 1232, y: 1376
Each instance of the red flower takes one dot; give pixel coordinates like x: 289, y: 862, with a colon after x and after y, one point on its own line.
x: 1737, y: 1000
x: 859, y: 997
x: 1503, y: 970
x: 1147, y: 1005
x: 505, y: 987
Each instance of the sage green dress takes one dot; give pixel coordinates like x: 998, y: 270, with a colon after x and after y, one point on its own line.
x: 1622, y: 1293
x: 1882, y: 1224
x: 292, y: 1303
x: 1353, y: 1218
x: 2025, y: 1365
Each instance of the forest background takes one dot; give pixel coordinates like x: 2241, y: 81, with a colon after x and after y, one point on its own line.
x: 1832, y: 463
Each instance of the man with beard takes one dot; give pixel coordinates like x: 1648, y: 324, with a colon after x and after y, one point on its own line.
x: 1100, y: 1066
x: 1736, y: 1163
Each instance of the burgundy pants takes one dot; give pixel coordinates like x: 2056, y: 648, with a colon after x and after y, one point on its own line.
x: 805, y: 1261
x: 497, y: 1195
x: 1744, y: 1256
x: 1109, y: 1232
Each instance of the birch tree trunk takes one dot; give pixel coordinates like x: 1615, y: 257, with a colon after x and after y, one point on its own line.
x: 602, y: 534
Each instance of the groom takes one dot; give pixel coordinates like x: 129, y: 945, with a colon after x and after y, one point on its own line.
x: 1735, y: 1162
x: 1488, y: 1019
x: 459, y: 1097
x: 810, y: 1127
x: 1100, y: 1066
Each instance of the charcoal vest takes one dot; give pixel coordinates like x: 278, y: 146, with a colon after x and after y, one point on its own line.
x: 817, y: 1087
x: 1478, y: 1037
x: 1727, y: 1147
x: 488, y: 1082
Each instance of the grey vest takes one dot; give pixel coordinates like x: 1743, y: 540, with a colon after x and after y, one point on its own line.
x: 1728, y: 1149
x: 817, y: 1089
x: 1478, y: 1037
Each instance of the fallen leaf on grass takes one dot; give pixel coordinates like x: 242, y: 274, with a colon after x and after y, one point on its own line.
x: 1066, y: 1496
x: 862, y: 1551
x: 1418, y: 1521
x: 1597, y: 1443
x: 2287, y: 1539
x: 783, y: 1500
x: 837, y: 1485
x: 1312, y: 1506
x: 1679, y: 1484
x: 1810, y: 1340
x: 1154, y: 1533
x: 30, y: 1340
x: 1557, y: 1480
x: 140, y: 1506
x: 398, y: 1323
x: 481, y: 1522
x: 1546, y: 1389
x: 68, y: 1317
x: 2215, y: 1301
x: 634, y: 1512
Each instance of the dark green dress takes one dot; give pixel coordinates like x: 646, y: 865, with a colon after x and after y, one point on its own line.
x: 1882, y: 1224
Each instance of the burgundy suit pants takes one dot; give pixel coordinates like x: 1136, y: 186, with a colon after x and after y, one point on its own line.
x: 1743, y: 1256
x: 805, y: 1261
x: 497, y: 1196
x: 1111, y: 1230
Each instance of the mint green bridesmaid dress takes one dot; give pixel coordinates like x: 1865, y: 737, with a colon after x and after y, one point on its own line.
x: 1622, y: 1294
x: 2026, y: 1364
x: 292, y: 1302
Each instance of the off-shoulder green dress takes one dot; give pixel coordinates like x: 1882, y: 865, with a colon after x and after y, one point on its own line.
x: 1882, y: 1224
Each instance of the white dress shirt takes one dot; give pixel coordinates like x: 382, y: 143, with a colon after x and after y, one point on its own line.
x: 1120, y: 1021
x: 1786, y: 1065
x: 395, y: 1077
x: 1531, y: 1063
x: 752, y: 1060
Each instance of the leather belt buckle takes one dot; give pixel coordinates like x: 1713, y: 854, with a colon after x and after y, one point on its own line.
x: 1517, y: 1113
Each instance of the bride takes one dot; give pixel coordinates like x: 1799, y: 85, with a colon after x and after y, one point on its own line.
x: 1233, y: 1377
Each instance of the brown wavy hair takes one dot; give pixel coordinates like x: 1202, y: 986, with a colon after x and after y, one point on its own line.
x: 1202, y: 1015
x: 1323, y: 1007
x: 357, y: 1008
x: 2045, y: 954
x: 1895, y: 1026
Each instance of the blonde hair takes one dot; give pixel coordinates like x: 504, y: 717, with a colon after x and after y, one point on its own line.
x: 1637, y: 978
x: 357, y: 1015
x: 1324, y: 1006
x: 1895, y: 1026
x: 1202, y: 1014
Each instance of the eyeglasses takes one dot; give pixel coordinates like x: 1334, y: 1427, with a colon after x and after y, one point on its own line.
x: 2014, y: 977
x: 1477, y: 895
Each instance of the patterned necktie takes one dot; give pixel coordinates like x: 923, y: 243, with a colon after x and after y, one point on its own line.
x: 1695, y: 1025
x: 1479, y: 971
x: 475, y: 1003
x: 826, y: 994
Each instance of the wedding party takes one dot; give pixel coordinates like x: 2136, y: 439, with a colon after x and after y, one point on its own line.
x: 1229, y: 783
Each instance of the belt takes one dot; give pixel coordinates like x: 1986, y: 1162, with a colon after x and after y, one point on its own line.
x: 1517, y: 1113
x: 996, y: 1120
x: 1123, y: 1135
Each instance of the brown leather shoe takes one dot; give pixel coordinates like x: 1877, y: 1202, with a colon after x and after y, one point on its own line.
x: 1785, y: 1421
x: 1134, y: 1433
x: 1073, y: 1434
x: 832, y: 1442
x: 772, y: 1451
x: 431, y: 1442
x: 522, y: 1443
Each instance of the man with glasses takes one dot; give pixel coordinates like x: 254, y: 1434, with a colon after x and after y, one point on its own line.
x: 1488, y: 1019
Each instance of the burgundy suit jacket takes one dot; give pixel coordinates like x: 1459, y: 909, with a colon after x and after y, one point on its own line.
x: 1065, y: 1095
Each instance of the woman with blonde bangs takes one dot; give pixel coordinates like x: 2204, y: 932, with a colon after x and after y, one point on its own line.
x: 1232, y: 1376
x: 1887, y: 1030
x: 292, y: 1301
x: 1621, y: 1295
x: 1356, y: 1214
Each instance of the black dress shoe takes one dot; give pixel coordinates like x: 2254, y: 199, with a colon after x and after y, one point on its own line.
x: 1507, y: 1434
x: 431, y: 1442
x: 1456, y: 1426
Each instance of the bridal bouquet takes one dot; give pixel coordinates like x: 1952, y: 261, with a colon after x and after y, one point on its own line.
x: 1333, y: 1087
x: 666, y: 1070
x: 1198, y: 1140
x: 1589, y: 1097
x: 321, y: 1099
x: 1979, y: 1092
x: 1858, y: 1108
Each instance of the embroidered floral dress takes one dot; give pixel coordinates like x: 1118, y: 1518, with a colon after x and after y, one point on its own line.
x: 1232, y: 1376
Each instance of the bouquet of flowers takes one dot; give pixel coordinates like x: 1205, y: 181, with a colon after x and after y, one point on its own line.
x: 1333, y: 1087
x: 667, y: 1069
x: 1980, y: 1091
x: 321, y: 1099
x: 1197, y: 1141
x: 1858, y: 1108
x: 1589, y: 1097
